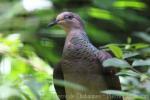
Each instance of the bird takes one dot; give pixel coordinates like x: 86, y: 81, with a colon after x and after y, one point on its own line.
x: 81, y: 63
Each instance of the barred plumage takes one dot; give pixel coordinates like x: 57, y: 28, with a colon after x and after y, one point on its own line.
x: 81, y: 64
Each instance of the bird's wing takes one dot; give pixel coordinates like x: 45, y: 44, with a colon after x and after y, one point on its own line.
x: 58, y: 75
x: 111, y: 79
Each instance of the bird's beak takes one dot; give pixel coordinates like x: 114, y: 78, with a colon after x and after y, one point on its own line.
x: 54, y: 22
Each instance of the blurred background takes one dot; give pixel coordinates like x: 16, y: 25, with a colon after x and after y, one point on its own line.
x: 29, y: 50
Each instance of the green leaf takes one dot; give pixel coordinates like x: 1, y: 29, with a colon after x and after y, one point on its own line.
x: 145, y: 51
x: 129, y: 40
x: 141, y: 62
x: 132, y: 4
x: 33, y: 85
x: 69, y: 84
x: 116, y: 50
x: 128, y: 73
x: 121, y: 93
x: 140, y: 45
x: 143, y: 35
x: 105, y: 15
x: 114, y: 62
x: 99, y: 35
x: 130, y: 54
x: 7, y: 91
x: 144, y: 77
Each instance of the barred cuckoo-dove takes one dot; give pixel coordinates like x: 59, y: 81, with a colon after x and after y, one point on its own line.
x: 81, y: 64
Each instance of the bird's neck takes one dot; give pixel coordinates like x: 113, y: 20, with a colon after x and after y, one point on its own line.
x: 75, y: 33
x: 73, y: 28
x: 72, y: 40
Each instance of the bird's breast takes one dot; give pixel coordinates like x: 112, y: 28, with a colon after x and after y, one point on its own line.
x: 79, y: 51
x: 81, y: 66
x: 80, y: 54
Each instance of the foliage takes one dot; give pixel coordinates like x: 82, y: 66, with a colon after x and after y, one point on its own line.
x: 29, y: 50
x: 134, y: 80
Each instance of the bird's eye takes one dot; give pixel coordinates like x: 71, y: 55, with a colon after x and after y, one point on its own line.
x: 68, y: 17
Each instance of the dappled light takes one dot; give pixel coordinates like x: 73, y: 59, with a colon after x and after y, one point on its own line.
x: 31, y: 5
x: 132, y: 4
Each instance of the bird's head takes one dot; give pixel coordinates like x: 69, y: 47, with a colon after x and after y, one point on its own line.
x: 68, y: 21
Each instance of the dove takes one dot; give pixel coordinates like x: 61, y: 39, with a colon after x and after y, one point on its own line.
x: 81, y: 64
